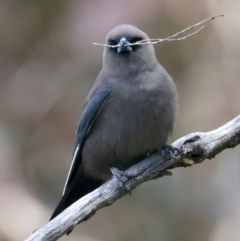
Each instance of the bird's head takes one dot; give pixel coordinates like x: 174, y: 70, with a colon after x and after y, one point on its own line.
x: 125, y: 58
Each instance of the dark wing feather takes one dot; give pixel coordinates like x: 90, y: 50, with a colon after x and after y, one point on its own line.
x: 89, y: 114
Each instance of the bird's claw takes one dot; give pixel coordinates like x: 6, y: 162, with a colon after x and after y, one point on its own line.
x: 121, y: 178
x: 170, y: 152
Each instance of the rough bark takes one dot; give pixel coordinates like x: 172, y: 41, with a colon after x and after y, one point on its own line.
x: 194, y: 148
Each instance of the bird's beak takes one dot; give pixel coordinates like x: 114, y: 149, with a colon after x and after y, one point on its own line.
x: 124, y: 47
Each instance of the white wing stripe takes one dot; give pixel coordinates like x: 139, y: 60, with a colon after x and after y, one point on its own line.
x: 70, y: 170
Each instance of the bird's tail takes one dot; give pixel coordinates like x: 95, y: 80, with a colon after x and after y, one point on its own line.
x: 79, y: 187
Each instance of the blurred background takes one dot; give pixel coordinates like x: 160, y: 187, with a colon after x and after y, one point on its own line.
x: 47, y: 67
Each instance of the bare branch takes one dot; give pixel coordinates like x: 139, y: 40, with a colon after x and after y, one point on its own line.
x: 194, y: 148
x: 170, y: 38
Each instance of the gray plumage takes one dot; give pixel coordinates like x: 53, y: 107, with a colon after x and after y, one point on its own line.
x: 133, y: 119
x: 139, y: 113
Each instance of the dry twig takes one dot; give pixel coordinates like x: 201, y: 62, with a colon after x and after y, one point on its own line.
x: 170, y: 38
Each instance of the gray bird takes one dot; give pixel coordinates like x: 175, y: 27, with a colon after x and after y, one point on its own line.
x: 128, y: 114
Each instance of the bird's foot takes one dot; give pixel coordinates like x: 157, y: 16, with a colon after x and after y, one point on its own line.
x: 170, y: 152
x: 121, y: 178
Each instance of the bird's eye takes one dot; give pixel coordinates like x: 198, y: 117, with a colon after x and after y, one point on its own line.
x: 112, y: 42
x: 135, y: 39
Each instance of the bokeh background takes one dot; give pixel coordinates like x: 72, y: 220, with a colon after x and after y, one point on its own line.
x: 47, y: 67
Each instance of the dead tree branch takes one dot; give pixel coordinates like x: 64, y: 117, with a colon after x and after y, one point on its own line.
x: 194, y: 148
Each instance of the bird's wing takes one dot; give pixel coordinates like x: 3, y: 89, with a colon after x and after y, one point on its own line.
x: 89, y: 115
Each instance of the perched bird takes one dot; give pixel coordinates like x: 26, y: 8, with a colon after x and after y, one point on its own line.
x: 128, y: 114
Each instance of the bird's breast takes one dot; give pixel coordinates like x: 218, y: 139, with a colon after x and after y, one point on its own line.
x: 131, y: 125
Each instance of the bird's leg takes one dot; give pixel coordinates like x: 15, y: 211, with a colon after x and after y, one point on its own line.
x: 170, y: 152
x: 121, y: 178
